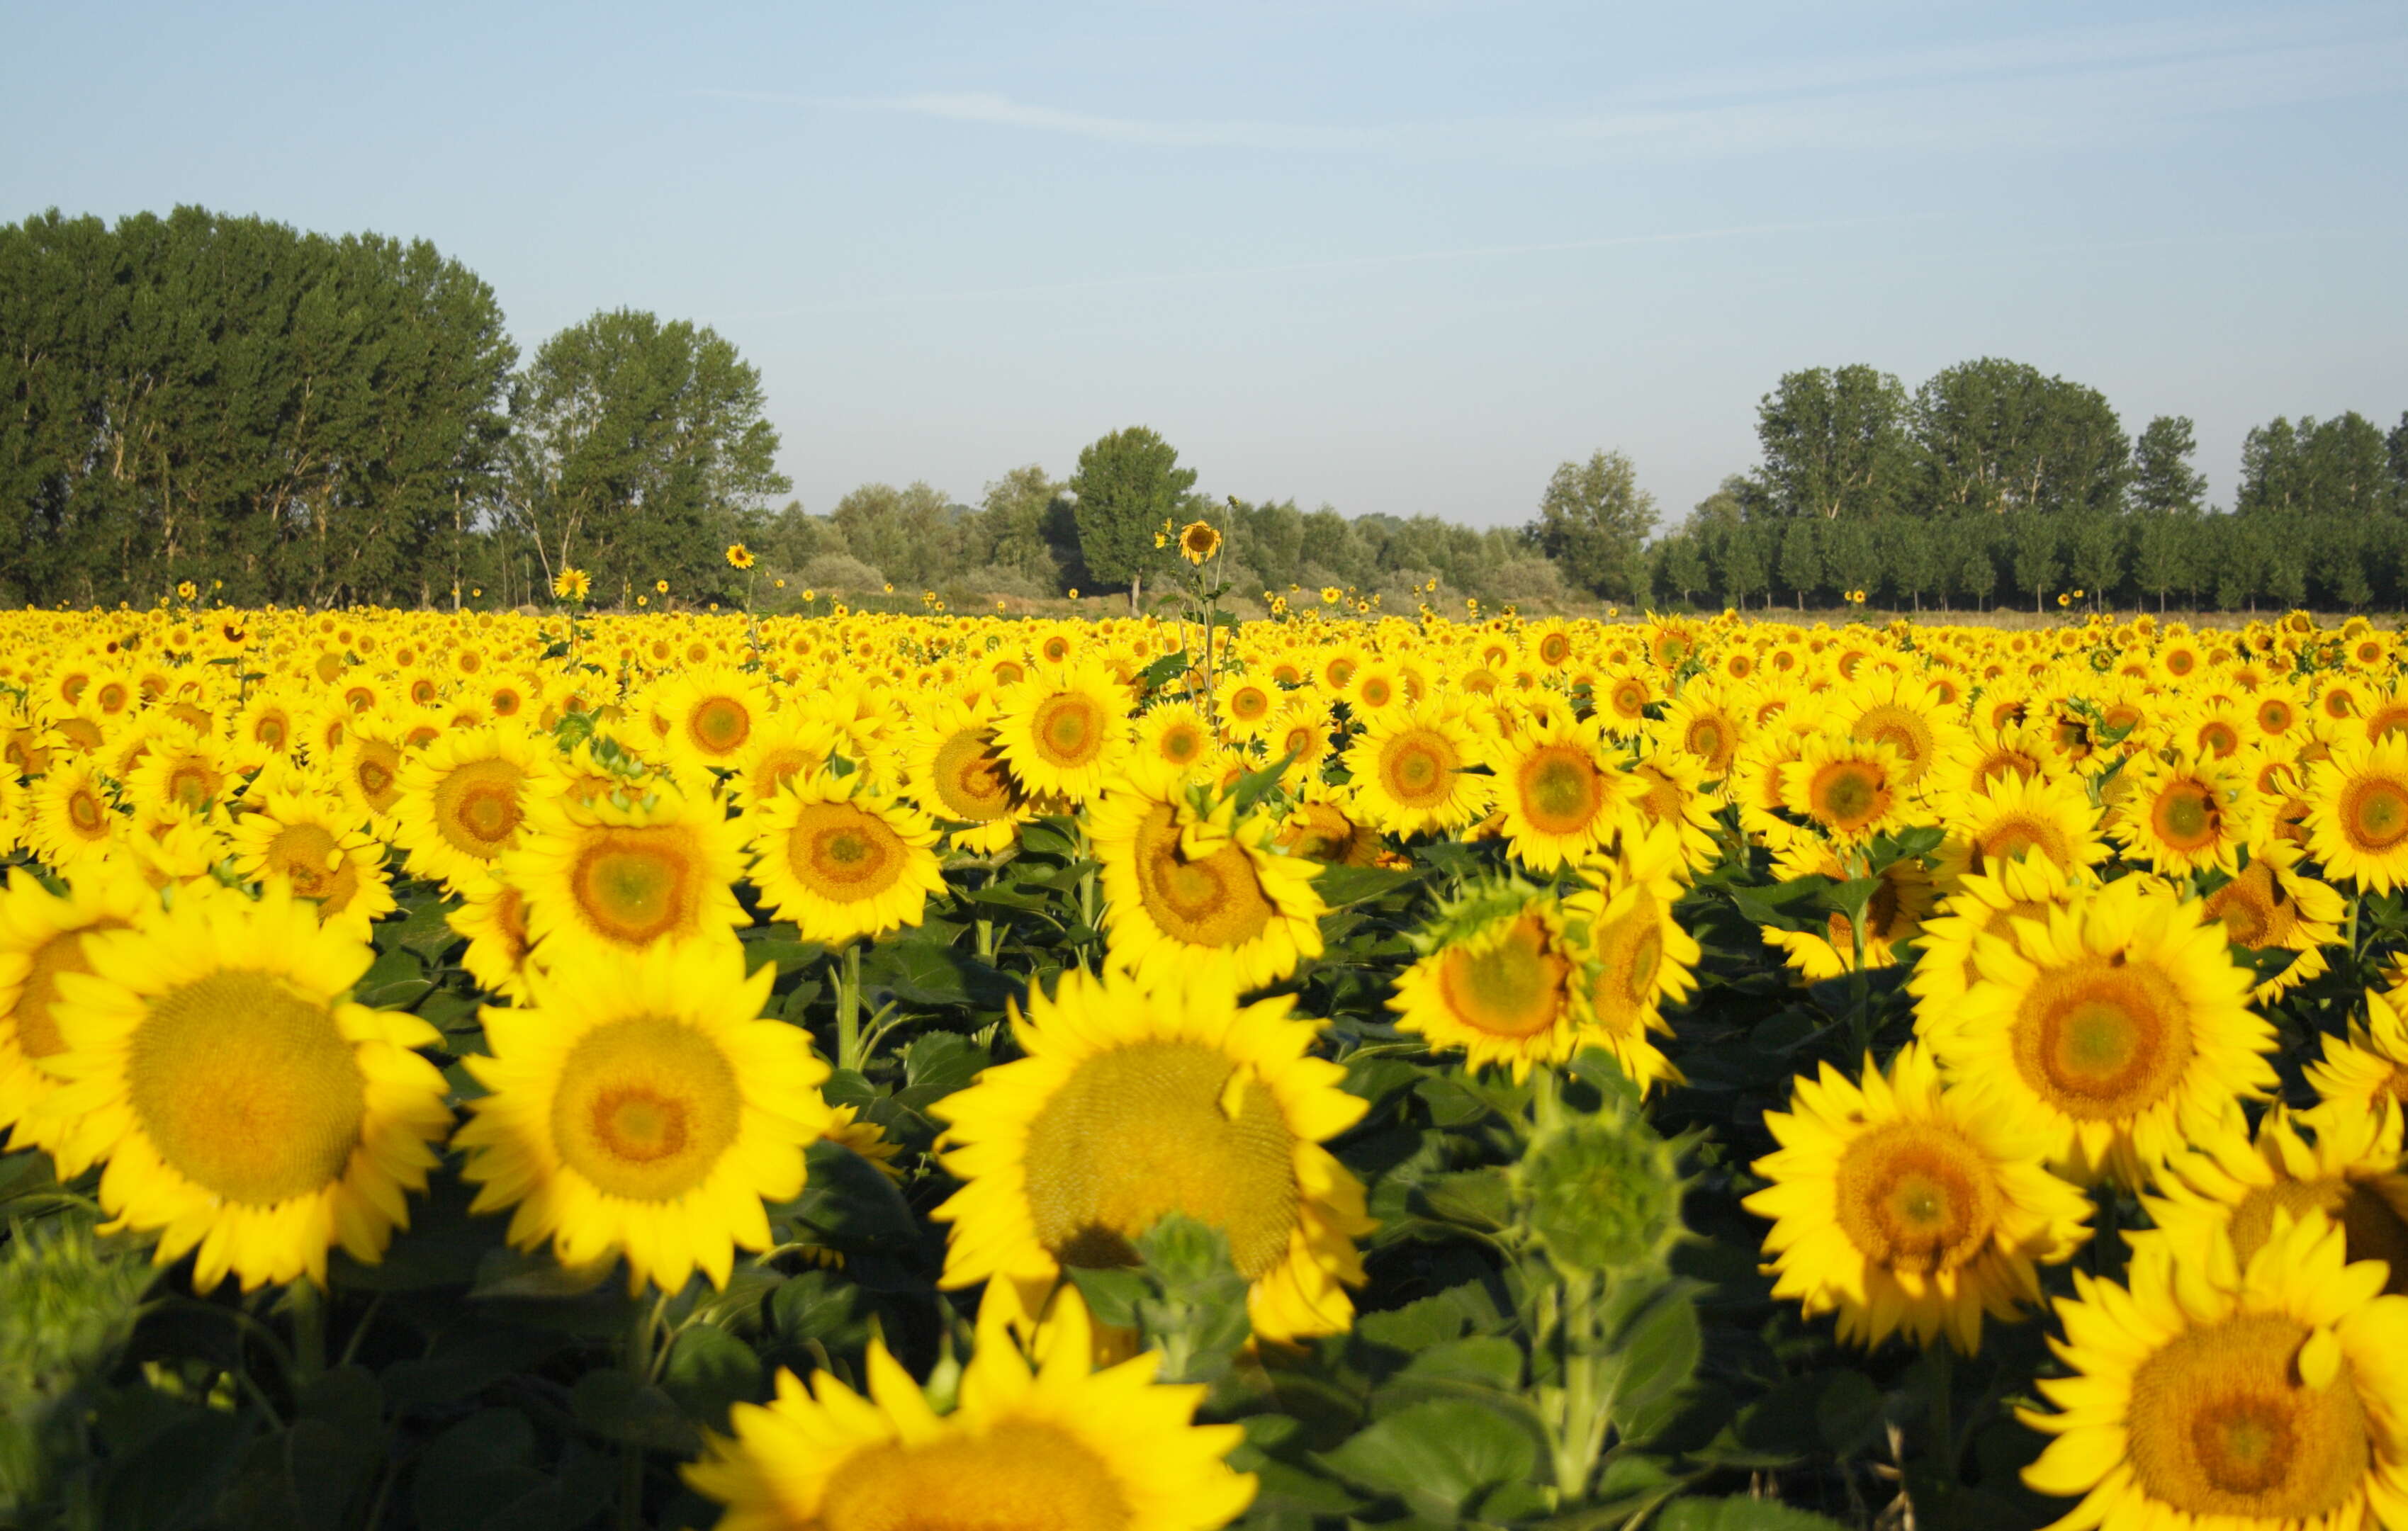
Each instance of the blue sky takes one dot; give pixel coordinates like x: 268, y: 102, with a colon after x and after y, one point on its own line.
x: 1393, y: 256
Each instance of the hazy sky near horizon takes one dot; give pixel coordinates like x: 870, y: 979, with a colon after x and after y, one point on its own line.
x: 1393, y: 256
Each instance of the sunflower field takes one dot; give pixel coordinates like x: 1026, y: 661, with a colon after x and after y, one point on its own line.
x: 912, y: 1072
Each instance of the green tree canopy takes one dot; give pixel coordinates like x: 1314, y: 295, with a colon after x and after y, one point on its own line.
x: 2163, y: 480
x: 640, y: 451
x: 1594, y: 520
x: 1127, y: 485
x: 1834, y: 443
x: 1993, y: 435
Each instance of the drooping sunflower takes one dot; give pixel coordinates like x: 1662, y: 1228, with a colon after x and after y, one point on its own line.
x: 244, y: 1104
x: 2271, y: 905
x: 2112, y: 1029
x: 2357, y: 813
x: 1561, y: 796
x: 1198, y: 541
x: 2366, y: 1071
x: 1896, y: 1203
x: 1410, y: 767
x: 1055, y: 1444
x: 638, y: 1108
x: 1196, y: 895
x: 2181, y: 813
x: 955, y: 770
x: 464, y: 798
x: 1639, y: 957
x: 2274, y: 1398
x: 315, y: 848
x: 1063, y: 730
x: 1130, y: 1105
x: 1319, y: 827
x: 42, y: 935
x: 1501, y: 978
x: 624, y: 868
x: 842, y: 859
x: 2228, y: 1186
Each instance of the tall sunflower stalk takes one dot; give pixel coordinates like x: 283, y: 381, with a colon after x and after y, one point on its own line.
x: 1201, y: 544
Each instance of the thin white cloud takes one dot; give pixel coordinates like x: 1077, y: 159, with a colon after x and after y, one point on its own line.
x: 2106, y: 84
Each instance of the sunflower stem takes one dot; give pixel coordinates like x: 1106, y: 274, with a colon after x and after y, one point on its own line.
x: 1942, y: 1359
x: 308, y: 1308
x: 848, y: 1008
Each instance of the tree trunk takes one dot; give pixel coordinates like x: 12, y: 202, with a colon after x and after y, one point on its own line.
x: 1135, y: 580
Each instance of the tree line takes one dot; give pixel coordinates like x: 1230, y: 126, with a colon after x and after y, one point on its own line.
x: 309, y: 420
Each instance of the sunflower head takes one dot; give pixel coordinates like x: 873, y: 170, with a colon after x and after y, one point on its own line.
x: 1198, y: 541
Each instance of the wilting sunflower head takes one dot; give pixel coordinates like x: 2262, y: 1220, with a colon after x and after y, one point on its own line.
x: 1133, y: 1104
x: 1198, y: 541
x: 1035, y: 1443
x: 1899, y: 1203
x: 2113, y: 1028
x: 2271, y: 1398
x: 637, y: 1106
x: 244, y: 1104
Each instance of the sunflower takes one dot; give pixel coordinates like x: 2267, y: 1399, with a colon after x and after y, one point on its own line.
x: 1639, y: 958
x: 710, y: 716
x: 1063, y: 730
x: 1198, y: 541
x: 953, y: 770
x: 740, y: 556
x: 2112, y: 1029
x: 2274, y: 1398
x: 1982, y: 904
x: 2183, y: 813
x: 2357, y: 813
x: 1410, y: 769
x: 637, y: 1108
x: 1173, y: 739
x: 492, y: 919
x: 314, y: 848
x: 182, y: 772
x: 1318, y: 827
x: 1904, y: 712
x: 1246, y: 705
x: 2019, y: 817
x: 463, y: 800
x: 1052, y: 1444
x: 1130, y: 1105
x: 2272, y: 906
x: 624, y: 868
x: 1501, y: 978
x: 1902, y: 898
x: 42, y: 935
x: 1196, y: 896
x: 785, y: 746
x: 70, y: 818
x: 1559, y: 798
x: 1673, y: 795
x: 244, y: 1104
x: 2228, y: 1186
x: 1895, y: 1202
x: 842, y: 859
x: 2366, y: 1071
x: 572, y: 584
x: 1847, y: 788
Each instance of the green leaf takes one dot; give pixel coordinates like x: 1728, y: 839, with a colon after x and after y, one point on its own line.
x: 506, y: 1272
x: 395, y: 981
x: 1490, y: 1360
x: 475, y: 1465
x: 1435, y: 1456
x: 1659, y: 1354
x: 1476, y: 1199
x: 936, y: 1064
x: 170, y: 1480
x: 1112, y: 1295
x: 1739, y: 1513
x: 847, y: 1203
x: 1340, y: 885
x: 709, y: 1370
x: 924, y: 972
x: 615, y: 1405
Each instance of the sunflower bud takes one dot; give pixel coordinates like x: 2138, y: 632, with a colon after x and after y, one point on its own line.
x: 1602, y: 1192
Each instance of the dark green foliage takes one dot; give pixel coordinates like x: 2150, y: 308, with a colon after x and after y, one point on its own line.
x: 1127, y: 484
